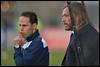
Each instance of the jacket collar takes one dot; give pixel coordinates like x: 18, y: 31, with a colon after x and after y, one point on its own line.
x: 33, y: 36
x: 85, y: 29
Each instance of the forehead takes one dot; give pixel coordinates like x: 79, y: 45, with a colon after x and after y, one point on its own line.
x: 65, y: 10
x: 23, y: 18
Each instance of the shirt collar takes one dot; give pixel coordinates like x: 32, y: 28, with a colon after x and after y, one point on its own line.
x: 26, y: 45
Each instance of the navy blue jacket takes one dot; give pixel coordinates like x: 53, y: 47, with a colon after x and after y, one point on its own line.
x: 88, y: 48
x: 35, y: 53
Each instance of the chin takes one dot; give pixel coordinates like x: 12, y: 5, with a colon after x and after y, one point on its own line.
x: 67, y: 29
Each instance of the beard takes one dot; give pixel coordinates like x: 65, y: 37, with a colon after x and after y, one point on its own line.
x: 68, y: 27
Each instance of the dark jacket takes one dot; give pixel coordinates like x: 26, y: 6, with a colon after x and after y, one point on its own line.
x: 87, y: 52
x: 36, y: 54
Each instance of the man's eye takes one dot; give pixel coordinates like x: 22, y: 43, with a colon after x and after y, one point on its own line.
x: 24, y: 25
x: 19, y: 24
x: 66, y: 15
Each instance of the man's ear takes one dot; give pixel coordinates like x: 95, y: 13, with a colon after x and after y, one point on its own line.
x: 34, y: 25
x: 77, y: 20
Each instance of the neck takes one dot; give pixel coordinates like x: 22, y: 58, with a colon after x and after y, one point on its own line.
x: 33, y: 35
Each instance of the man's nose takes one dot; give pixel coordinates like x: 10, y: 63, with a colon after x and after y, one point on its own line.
x: 21, y: 28
x: 62, y: 20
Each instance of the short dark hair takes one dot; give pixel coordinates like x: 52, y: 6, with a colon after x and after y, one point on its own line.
x: 32, y: 16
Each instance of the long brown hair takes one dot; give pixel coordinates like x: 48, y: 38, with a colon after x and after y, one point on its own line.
x: 79, y: 11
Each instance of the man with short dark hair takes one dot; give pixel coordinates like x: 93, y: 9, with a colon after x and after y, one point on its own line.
x: 83, y: 49
x: 30, y: 48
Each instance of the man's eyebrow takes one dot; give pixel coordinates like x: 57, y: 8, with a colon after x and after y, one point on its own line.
x: 65, y: 15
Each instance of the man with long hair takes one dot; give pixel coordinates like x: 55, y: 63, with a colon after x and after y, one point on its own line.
x: 83, y: 49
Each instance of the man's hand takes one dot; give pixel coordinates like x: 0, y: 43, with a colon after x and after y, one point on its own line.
x: 20, y: 40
